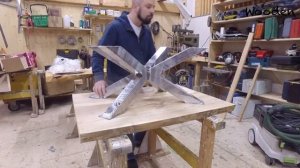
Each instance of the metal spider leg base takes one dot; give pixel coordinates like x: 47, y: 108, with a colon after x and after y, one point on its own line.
x: 152, y: 72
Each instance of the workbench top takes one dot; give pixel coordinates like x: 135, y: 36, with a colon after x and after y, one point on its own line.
x: 147, y: 111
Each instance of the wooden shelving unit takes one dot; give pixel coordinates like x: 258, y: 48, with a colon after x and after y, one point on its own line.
x: 278, y: 45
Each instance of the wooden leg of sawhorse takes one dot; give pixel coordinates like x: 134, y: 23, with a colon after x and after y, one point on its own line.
x: 35, y: 108
x: 111, y: 153
x: 72, y: 126
x: 197, y: 77
x: 42, y: 108
x: 72, y: 112
x: 209, y: 127
x: 73, y: 133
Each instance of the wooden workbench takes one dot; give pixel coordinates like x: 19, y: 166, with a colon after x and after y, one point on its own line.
x: 151, y: 112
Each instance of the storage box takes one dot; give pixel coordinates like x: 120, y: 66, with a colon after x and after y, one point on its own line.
x: 254, y: 61
x: 39, y: 15
x: 40, y: 20
x: 58, y: 86
x: 53, y: 11
x: 14, y: 64
x: 249, y: 111
x: 261, y: 86
x: 55, y: 21
x: 68, y: 53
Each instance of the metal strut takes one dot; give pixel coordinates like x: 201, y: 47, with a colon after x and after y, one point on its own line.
x: 152, y: 72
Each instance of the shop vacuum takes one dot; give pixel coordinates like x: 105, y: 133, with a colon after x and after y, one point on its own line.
x: 276, y: 130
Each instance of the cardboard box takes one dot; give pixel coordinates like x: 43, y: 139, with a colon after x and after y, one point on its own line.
x: 57, y: 86
x: 14, y: 64
x: 249, y: 111
x: 261, y: 86
x: 55, y: 21
x: 53, y: 11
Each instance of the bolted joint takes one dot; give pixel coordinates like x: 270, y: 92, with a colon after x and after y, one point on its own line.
x: 138, y: 74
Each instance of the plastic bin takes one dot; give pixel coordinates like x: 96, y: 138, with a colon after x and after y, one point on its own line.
x: 39, y: 15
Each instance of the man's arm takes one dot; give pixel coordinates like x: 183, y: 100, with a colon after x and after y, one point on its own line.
x: 109, y: 38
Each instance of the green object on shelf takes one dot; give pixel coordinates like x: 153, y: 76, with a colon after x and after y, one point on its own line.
x: 40, y: 20
x: 92, y: 12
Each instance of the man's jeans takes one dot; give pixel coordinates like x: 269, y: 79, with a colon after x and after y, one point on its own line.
x: 136, y: 139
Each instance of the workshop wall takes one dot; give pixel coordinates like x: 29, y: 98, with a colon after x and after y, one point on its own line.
x: 45, y: 41
x: 9, y: 22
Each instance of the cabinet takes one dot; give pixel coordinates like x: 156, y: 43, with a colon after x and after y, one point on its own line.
x: 278, y: 46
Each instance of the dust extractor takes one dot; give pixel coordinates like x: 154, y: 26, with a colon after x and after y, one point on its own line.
x: 276, y: 130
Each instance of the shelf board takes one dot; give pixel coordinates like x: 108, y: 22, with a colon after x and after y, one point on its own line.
x: 262, y: 40
x: 272, y: 96
x: 278, y: 39
x: 55, y: 28
x: 99, y: 17
x: 242, y: 19
x: 199, y: 59
x: 228, y: 2
x: 203, y: 59
x: 263, y: 68
x: 228, y: 41
x: 268, y: 96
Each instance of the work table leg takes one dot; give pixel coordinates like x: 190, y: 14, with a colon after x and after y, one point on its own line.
x: 197, y: 77
x: 206, y: 144
x: 111, y: 153
x: 35, y: 109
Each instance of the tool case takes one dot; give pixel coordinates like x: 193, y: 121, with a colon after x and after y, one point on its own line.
x: 291, y: 91
x: 259, y: 31
x: 254, y: 61
x: 285, y: 60
x: 295, y: 29
x: 271, y: 28
x: 286, y: 27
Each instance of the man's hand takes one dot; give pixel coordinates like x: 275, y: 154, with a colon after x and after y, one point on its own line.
x: 100, y: 88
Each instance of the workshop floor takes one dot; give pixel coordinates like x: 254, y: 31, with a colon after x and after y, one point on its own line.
x: 40, y: 142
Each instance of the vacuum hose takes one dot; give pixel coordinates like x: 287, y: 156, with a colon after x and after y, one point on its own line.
x: 284, y: 121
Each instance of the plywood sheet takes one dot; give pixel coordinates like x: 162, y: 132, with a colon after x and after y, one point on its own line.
x: 146, y: 112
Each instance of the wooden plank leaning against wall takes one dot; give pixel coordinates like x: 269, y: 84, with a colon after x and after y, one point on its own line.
x: 45, y: 42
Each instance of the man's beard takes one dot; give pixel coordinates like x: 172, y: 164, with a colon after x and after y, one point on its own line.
x: 146, y: 20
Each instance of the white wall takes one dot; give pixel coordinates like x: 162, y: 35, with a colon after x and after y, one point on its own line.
x: 199, y: 25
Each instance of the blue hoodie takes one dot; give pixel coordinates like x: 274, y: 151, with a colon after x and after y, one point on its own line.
x: 120, y: 33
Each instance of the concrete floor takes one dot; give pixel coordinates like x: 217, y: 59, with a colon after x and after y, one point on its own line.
x: 40, y: 142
